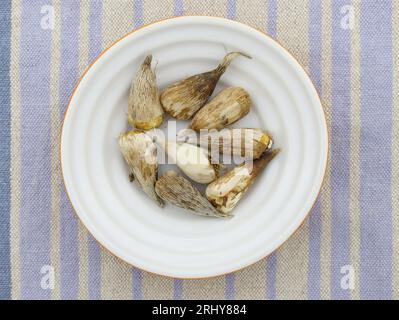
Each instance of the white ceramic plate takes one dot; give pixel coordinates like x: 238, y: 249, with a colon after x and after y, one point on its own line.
x: 171, y: 241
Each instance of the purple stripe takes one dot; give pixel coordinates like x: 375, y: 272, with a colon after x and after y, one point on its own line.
x: 35, y: 212
x: 138, y: 13
x: 231, y: 9
x: 94, y: 283
x: 5, y: 144
x: 230, y: 287
x: 178, y: 284
x: 178, y: 289
x: 137, y: 276
x: 271, y: 261
x: 375, y: 148
x: 315, y: 42
x: 94, y: 249
x: 315, y: 48
x: 69, y: 75
x: 178, y: 9
x: 271, y: 275
x: 230, y: 278
x: 272, y: 18
x: 137, y: 273
x: 314, y: 273
x: 340, y: 118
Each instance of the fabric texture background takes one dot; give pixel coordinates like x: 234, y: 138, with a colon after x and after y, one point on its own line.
x: 348, y: 248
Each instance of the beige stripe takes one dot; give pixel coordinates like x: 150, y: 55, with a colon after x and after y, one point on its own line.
x: 117, y: 20
x: 292, y: 28
x: 116, y: 276
x: 354, y: 175
x: 55, y: 163
x: 156, y: 287
x: 213, y: 288
x: 207, y: 8
x: 155, y: 11
x: 395, y: 151
x: 15, y: 170
x: 325, y: 196
x: 253, y: 13
x: 250, y: 283
x: 292, y: 258
x: 83, y: 292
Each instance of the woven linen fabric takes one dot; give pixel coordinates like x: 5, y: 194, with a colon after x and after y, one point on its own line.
x: 348, y: 248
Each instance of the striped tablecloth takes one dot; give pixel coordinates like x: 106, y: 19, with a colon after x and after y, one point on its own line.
x: 347, y: 249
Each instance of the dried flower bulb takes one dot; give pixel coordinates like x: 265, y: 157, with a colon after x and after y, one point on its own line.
x: 179, y: 191
x: 145, y: 111
x: 140, y: 153
x: 225, y: 192
x: 185, y: 97
x: 229, y: 106
x: 249, y: 143
x: 192, y: 160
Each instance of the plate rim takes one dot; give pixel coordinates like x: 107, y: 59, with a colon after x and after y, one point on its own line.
x: 224, y: 20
